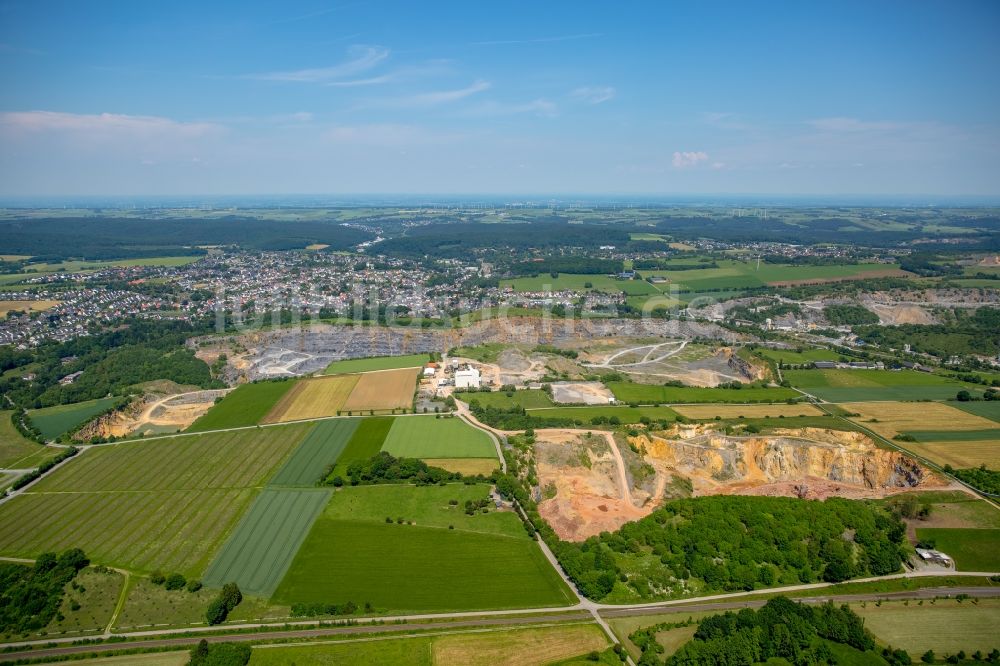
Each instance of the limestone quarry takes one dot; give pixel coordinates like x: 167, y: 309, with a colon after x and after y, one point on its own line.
x: 152, y: 414
x: 587, y: 486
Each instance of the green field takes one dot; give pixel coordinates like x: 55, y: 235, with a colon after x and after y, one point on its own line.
x: 652, y: 393
x: 527, y: 398
x: 320, y: 449
x: 624, y: 413
x: 871, y: 385
x: 16, y: 451
x: 376, y: 363
x: 946, y: 626
x: 245, y: 406
x: 480, y: 564
x: 364, y: 443
x: 54, y: 421
x: 972, y: 549
x: 143, y: 505
x: 955, y: 435
x: 575, y: 282
x: 987, y: 409
x: 431, y: 437
x: 794, y: 357
x: 259, y: 552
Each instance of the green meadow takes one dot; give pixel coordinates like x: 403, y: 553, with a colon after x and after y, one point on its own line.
x: 244, y: 406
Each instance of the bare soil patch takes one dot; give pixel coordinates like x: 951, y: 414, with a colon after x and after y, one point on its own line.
x: 588, y: 393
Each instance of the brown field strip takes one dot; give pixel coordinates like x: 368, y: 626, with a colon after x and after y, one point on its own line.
x: 466, y: 466
x: 892, y: 418
x: 313, y: 399
x: 747, y: 411
x: 383, y: 390
x: 960, y: 455
x: 27, y: 306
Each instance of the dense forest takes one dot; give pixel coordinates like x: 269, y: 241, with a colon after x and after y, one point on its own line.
x: 849, y: 315
x: 986, y: 480
x: 573, y: 265
x: 93, y: 238
x: 781, y: 629
x: 461, y: 240
x: 30, y: 595
x: 110, y: 362
x: 976, y: 333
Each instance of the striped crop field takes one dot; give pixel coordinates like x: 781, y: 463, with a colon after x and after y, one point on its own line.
x: 144, y: 505
x: 383, y: 391
x: 265, y: 542
x: 366, y: 441
x: 320, y: 449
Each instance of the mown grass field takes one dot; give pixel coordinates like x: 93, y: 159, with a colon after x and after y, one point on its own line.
x: 724, y: 411
x: 870, y: 385
x: 527, y: 646
x: 651, y: 393
x: 959, y: 454
x: 575, y: 282
x: 795, y: 357
x: 25, y: 306
x: 972, y: 549
x: 891, y: 418
x: 431, y: 437
x: 320, y: 449
x: 144, y: 505
x: 353, y: 554
x: 365, y: 442
x: 313, y: 399
x: 527, y: 398
x: 383, y: 391
x: 245, y: 406
x: 16, y: 451
x: 54, y: 421
x: 623, y: 413
x: 945, y: 626
x: 955, y: 436
x: 377, y: 363
x: 265, y: 541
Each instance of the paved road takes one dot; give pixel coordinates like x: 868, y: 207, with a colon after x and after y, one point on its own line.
x: 546, y: 616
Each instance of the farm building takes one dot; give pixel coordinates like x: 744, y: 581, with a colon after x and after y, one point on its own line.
x: 934, y: 556
x: 467, y: 378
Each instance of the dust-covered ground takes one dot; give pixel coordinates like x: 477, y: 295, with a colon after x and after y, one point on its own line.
x: 677, y: 360
x: 153, y: 414
x: 577, y: 393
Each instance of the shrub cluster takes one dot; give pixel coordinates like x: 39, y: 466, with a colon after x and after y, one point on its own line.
x: 228, y: 599
x: 31, y: 596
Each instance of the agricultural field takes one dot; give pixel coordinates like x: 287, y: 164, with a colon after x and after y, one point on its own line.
x: 313, y: 398
x: 265, y: 541
x: 365, y: 442
x: 465, y: 466
x: 796, y: 357
x: 444, y: 560
x: 579, y: 282
x: 972, y: 549
x: 142, y: 505
x: 756, y: 411
x: 528, y: 646
x: 869, y: 385
x: 244, y: 406
x: 16, y: 451
x: 623, y: 413
x: 25, y: 306
x: 55, y: 421
x: 432, y: 437
x: 321, y: 448
x: 383, y: 391
x: 988, y: 410
x: 377, y: 363
x: 945, y: 625
x: 527, y: 398
x: 651, y: 393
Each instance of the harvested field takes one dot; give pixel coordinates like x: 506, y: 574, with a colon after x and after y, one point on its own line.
x: 466, y: 466
x: 581, y: 484
x: 525, y: 647
x: 946, y: 627
x: 265, y: 541
x: 431, y: 437
x: 383, y: 391
x: 313, y: 398
x: 586, y: 393
x: 701, y: 412
x: 144, y: 505
x: 892, y: 418
x: 26, y: 306
x: 960, y: 455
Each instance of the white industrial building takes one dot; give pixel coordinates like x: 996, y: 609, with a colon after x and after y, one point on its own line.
x: 467, y: 378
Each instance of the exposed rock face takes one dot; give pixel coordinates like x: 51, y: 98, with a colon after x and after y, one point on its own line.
x: 830, y: 462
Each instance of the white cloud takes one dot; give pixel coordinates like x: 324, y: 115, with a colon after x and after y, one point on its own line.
x: 687, y: 159
x: 442, y: 96
x: 25, y: 122
x: 594, y: 94
x: 363, y: 58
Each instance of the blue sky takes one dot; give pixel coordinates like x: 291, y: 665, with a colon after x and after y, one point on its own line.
x: 150, y: 98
